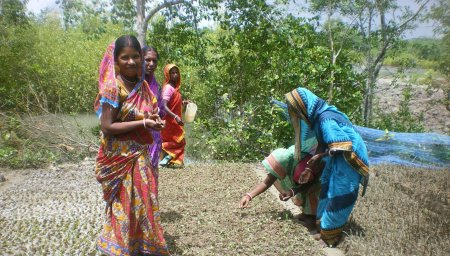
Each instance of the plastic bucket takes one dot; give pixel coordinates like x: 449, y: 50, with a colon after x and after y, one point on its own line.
x: 189, y: 115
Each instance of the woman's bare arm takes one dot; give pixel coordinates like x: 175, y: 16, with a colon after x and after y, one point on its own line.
x: 109, y: 127
x: 173, y: 115
x: 260, y: 188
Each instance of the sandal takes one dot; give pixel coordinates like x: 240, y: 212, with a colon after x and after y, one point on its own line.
x: 175, y: 166
x: 165, y: 161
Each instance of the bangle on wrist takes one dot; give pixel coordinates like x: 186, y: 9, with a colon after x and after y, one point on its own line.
x: 143, y: 121
x: 251, y: 197
x: 293, y: 193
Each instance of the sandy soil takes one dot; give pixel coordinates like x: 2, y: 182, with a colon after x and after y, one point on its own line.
x: 58, y: 211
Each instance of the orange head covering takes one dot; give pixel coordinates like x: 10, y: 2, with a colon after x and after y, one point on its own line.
x: 167, y: 69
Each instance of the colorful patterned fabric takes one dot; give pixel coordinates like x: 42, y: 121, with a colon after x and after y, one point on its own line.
x: 173, y: 134
x: 108, y: 91
x: 155, y: 148
x: 345, y: 170
x: 282, y: 164
x: 129, y: 182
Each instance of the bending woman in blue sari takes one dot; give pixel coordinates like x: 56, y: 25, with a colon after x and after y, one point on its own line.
x: 348, y: 164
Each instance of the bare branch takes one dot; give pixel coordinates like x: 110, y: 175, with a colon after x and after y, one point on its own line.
x: 404, y: 23
x: 162, y: 6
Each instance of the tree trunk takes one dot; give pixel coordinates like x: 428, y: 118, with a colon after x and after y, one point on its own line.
x: 367, y: 100
x: 374, y: 64
x: 142, y: 20
x: 368, y: 89
x: 141, y: 27
x: 333, y: 58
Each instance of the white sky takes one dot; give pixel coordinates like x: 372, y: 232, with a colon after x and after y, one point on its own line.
x: 423, y: 29
x: 36, y: 6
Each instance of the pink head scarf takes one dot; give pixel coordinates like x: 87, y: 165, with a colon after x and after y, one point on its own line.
x: 108, y: 91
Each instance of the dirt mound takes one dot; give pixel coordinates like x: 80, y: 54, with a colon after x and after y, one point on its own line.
x: 431, y: 103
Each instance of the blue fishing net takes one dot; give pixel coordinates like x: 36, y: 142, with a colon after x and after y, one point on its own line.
x: 426, y: 150
x: 429, y: 150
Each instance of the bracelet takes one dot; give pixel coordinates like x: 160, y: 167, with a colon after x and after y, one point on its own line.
x: 143, y: 121
x: 251, y: 197
x: 293, y: 193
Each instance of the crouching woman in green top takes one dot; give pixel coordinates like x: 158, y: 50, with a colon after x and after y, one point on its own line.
x: 289, y: 177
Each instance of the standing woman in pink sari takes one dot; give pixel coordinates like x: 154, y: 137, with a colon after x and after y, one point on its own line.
x: 173, y: 135
x: 128, y: 113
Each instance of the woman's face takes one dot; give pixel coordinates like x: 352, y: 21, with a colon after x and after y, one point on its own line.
x: 151, y: 62
x: 129, y: 61
x: 174, y: 74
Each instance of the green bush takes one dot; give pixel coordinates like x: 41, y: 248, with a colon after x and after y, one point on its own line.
x: 233, y: 71
x: 18, y: 151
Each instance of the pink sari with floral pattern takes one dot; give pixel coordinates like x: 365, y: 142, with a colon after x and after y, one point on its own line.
x: 129, y: 182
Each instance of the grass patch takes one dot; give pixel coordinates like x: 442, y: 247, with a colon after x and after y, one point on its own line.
x: 200, y: 214
x: 405, y: 212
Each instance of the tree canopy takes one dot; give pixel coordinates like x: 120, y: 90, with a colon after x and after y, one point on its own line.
x: 231, y: 69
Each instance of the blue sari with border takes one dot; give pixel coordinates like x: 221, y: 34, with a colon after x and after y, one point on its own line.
x: 347, y: 169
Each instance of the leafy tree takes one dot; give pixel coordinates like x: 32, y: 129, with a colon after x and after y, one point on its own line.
x: 12, y: 12
x: 254, y: 55
x: 378, y: 32
x: 141, y: 12
x: 231, y: 71
x: 92, y: 17
x: 16, y: 40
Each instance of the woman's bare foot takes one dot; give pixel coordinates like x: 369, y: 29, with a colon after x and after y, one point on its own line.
x: 303, y: 216
x: 309, y: 221
x: 322, y: 243
x: 317, y: 237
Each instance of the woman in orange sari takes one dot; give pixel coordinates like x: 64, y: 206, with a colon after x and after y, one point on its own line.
x: 128, y: 111
x: 173, y: 135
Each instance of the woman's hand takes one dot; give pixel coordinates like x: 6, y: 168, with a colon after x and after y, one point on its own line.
x: 154, y: 124
x: 316, y: 159
x: 178, y: 120
x: 245, y: 201
x: 185, y: 102
x: 155, y: 117
x: 306, y: 176
x: 286, y: 195
x: 158, y: 119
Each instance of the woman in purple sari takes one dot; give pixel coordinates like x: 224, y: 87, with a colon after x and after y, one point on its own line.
x: 151, y: 57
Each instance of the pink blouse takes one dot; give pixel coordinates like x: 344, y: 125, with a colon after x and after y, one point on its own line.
x: 167, y: 92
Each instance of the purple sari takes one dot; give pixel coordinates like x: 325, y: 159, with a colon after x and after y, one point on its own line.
x: 156, y: 147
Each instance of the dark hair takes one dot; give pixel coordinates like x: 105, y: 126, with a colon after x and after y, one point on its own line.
x: 150, y: 49
x: 126, y: 41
